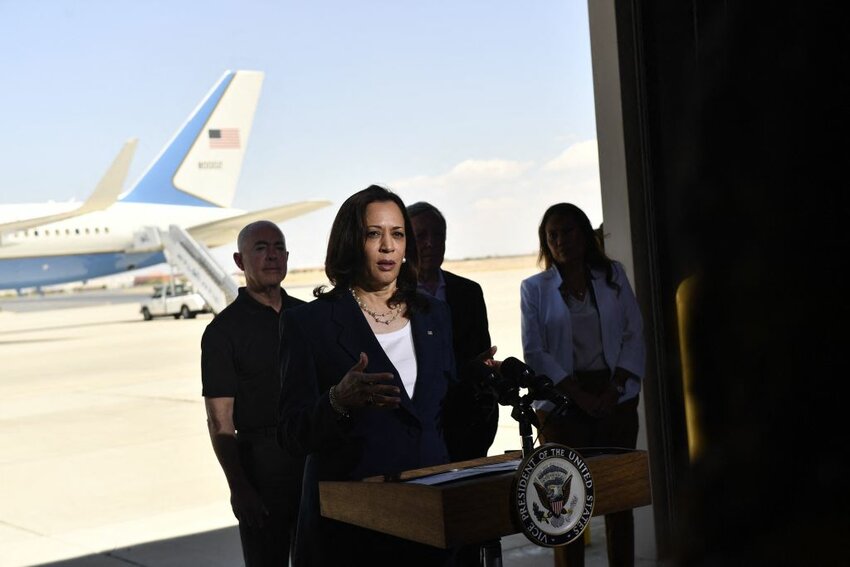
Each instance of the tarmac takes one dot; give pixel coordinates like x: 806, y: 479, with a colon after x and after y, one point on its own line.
x: 104, y: 454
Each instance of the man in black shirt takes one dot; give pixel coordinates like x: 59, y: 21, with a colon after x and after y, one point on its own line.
x: 241, y: 386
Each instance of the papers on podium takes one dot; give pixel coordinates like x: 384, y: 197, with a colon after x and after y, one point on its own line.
x: 471, y: 472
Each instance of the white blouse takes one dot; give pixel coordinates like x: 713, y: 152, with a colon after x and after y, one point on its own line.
x: 587, y: 333
x: 399, y: 348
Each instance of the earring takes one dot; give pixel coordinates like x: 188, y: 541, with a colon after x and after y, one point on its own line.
x: 403, y: 260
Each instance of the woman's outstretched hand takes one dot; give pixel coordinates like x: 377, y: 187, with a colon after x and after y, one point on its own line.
x: 363, y: 389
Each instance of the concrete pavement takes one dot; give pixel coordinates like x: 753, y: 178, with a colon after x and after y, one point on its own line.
x: 104, y: 455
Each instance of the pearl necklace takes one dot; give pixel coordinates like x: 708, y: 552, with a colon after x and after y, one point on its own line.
x: 378, y: 317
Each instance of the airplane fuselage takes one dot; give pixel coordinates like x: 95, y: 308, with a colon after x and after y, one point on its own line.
x: 120, y: 238
x: 190, y: 184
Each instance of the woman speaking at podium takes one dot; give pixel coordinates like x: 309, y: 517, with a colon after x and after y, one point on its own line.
x: 365, y: 368
x: 582, y: 328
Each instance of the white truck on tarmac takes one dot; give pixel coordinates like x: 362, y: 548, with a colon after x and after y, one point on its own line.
x: 176, y: 300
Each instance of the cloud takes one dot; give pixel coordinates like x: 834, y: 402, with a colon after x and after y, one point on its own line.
x: 498, y: 204
x: 579, y: 156
x: 492, y: 206
x: 468, y: 173
x: 488, y: 170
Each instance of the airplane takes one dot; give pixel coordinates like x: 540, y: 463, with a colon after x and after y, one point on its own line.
x: 191, y: 184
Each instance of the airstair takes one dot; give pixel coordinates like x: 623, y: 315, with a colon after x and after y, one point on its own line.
x: 194, y: 261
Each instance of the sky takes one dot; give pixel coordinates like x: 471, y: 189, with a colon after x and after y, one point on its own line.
x: 482, y: 107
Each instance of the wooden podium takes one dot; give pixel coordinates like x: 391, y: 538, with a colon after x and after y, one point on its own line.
x: 473, y: 510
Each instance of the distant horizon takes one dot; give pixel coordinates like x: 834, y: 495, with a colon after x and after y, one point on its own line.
x: 161, y: 271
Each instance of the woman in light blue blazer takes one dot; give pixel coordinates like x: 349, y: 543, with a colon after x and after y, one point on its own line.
x: 582, y: 328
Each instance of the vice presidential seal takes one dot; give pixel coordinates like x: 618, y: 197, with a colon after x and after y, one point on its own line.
x: 553, y: 494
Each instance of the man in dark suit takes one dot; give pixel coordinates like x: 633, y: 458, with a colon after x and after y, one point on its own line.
x: 471, y: 413
x: 469, y: 431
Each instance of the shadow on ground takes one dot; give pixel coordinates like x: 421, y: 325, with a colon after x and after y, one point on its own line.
x: 217, y: 548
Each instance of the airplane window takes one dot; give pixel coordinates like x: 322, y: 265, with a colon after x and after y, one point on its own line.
x: 26, y: 233
x: 106, y: 230
x: 77, y: 230
x: 67, y: 231
x: 87, y: 231
x: 57, y: 232
x: 35, y: 233
x: 96, y: 230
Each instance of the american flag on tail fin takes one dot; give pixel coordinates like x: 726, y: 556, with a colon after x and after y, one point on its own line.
x: 224, y: 138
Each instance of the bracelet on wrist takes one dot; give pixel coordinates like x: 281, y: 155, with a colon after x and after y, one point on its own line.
x: 335, y: 403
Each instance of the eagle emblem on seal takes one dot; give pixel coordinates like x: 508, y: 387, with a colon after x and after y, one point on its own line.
x: 553, y: 486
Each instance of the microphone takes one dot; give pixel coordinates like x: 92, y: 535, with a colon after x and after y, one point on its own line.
x: 521, y: 373
x: 541, y: 387
x: 505, y: 390
x: 544, y: 389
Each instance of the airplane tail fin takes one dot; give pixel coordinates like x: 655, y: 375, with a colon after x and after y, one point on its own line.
x: 200, y: 166
x: 105, y: 193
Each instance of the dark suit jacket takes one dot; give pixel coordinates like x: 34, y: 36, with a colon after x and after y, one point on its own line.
x: 472, y: 415
x: 469, y: 317
x: 320, y: 342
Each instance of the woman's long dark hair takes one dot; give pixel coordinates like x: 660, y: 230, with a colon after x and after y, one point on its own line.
x: 594, y: 255
x: 346, y: 258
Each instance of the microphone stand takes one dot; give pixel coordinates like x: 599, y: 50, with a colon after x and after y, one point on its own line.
x: 523, y: 413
